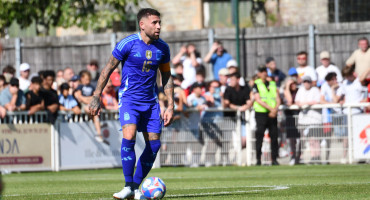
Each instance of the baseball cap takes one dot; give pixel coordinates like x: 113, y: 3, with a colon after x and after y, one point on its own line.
x: 223, y: 72
x: 14, y: 82
x: 306, y: 78
x: 24, y: 67
x: 292, y: 71
x: 324, y: 54
x: 269, y: 59
x: 75, y: 78
x: 232, y: 63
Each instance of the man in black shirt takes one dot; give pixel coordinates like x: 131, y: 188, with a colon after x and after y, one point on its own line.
x: 237, y: 97
x: 49, y: 95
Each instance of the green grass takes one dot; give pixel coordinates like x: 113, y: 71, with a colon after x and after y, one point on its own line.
x: 280, y: 182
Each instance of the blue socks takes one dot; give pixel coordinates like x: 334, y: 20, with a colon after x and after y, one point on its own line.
x: 146, y: 160
x: 128, y: 160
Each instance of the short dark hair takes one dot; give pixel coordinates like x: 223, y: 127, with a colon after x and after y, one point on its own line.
x: 236, y: 74
x: 85, y: 73
x: 302, y: 53
x: 94, y: 62
x: 36, y: 79
x: 64, y: 86
x: 145, y: 12
x: 330, y: 76
x: 348, y: 70
x: 47, y: 73
x: 9, y: 69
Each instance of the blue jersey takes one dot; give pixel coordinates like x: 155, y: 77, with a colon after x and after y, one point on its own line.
x: 139, y: 71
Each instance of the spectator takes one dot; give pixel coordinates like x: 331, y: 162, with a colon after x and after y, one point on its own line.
x: 360, y: 57
x: 365, y: 80
x: 24, y: 83
x: 2, y: 83
x: 93, y: 68
x: 179, y: 70
x: 237, y: 97
x: 191, y: 61
x: 34, y: 101
x: 232, y: 67
x: 293, y: 135
x: 266, y: 105
x: 49, y: 95
x: 200, y: 77
x: 328, y: 96
x: 83, y: 95
x: 327, y: 67
x: 179, y: 94
x: 197, y: 101
x: 277, y: 74
x: 294, y: 75
x: 214, y: 99
x: 310, y: 119
x: 116, y: 79
x: 68, y: 102
x: 303, y: 69
x: 12, y: 98
x: 73, y: 84
x: 218, y: 56
x: 8, y: 73
x: 109, y: 99
x: 68, y: 73
x: 223, y: 76
x: 58, y: 80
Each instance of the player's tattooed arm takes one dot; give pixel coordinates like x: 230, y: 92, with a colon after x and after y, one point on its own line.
x: 102, y: 81
x: 168, y: 87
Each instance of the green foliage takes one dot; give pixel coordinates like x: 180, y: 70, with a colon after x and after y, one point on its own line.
x: 87, y: 14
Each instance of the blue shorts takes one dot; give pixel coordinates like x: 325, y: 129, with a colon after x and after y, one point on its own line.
x: 146, y: 117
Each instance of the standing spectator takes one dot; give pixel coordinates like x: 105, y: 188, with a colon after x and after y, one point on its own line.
x: 24, y: 83
x: 223, y: 76
x: 197, y: 101
x: 218, y: 56
x: 277, y: 74
x: 68, y: 102
x: 232, y: 67
x: 12, y: 98
x: 327, y: 67
x: 8, y: 72
x: 191, y: 61
x: 49, y: 95
x: 365, y: 80
x: 200, y: 79
x: 109, y: 99
x: 266, y: 105
x: 214, y: 99
x: 93, y: 68
x: 68, y: 73
x: 237, y: 97
x: 58, y: 80
x: 83, y: 94
x: 2, y: 83
x: 328, y: 96
x: 360, y: 57
x: 350, y: 91
x: 303, y: 69
x: 290, y: 92
x: 34, y: 101
x: 73, y: 84
x: 294, y: 75
x: 310, y: 119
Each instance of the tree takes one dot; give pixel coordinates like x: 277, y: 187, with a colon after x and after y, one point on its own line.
x: 87, y: 14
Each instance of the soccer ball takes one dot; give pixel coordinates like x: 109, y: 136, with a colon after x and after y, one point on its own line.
x: 153, y: 188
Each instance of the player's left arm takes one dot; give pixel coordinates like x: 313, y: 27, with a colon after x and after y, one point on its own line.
x: 168, y: 87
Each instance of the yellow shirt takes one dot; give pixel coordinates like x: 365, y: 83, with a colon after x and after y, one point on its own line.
x: 361, y: 60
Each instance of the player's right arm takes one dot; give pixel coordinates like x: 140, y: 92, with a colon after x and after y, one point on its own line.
x: 95, y: 104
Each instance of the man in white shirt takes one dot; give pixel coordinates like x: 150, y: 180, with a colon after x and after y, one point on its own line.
x: 24, y: 83
x: 327, y: 67
x: 303, y: 69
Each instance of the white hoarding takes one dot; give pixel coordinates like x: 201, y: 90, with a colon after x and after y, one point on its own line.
x: 361, y: 136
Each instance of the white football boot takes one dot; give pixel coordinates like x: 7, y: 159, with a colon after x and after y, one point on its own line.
x: 139, y: 195
x: 125, y: 193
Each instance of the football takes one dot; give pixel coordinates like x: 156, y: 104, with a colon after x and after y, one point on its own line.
x: 153, y: 188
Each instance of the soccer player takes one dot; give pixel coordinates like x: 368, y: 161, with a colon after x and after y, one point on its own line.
x: 141, y: 54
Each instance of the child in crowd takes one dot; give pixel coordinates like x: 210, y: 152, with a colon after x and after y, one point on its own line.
x: 34, y: 102
x: 67, y: 101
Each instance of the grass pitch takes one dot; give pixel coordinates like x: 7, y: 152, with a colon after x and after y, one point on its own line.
x: 277, y: 182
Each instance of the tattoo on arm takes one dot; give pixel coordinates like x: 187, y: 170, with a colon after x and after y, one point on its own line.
x: 105, y: 73
x: 168, y: 88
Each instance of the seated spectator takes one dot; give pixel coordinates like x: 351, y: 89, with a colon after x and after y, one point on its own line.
x: 68, y: 102
x: 24, y: 83
x: 232, y: 67
x: 191, y: 61
x: 8, y: 72
x: 83, y: 95
x: 73, y: 84
x: 310, y: 119
x: 49, y: 95
x: 325, y: 68
x: 2, y: 83
x: 59, y: 80
x: 200, y: 77
x: 179, y: 70
x: 34, y: 101
x: 109, y: 99
x: 12, y: 98
x: 223, y: 76
x: 68, y: 73
x: 218, y: 56
x: 293, y: 135
x: 273, y: 71
x: 93, y: 68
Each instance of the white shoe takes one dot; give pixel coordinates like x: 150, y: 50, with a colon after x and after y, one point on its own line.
x: 99, y: 138
x: 138, y: 194
x: 125, y: 193
x: 292, y: 162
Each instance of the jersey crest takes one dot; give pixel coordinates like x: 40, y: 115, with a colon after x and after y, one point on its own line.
x: 148, y: 54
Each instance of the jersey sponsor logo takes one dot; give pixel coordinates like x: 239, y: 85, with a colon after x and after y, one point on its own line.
x: 138, y: 55
x: 148, y: 54
x: 126, y: 116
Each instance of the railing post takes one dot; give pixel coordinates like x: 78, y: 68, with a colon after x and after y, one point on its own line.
x: 311, y: 45
x: 248, y: 131
x: 238, y: 146
x: 350, y: 134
